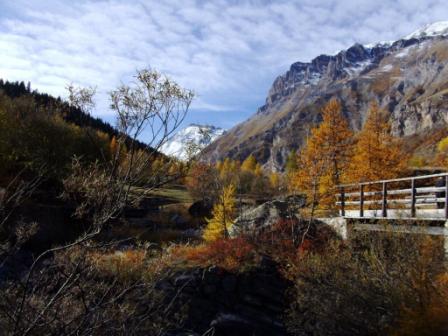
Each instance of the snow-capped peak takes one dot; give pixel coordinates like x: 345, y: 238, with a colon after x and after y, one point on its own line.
x: 439, y: 28
x: 378, y: 44
x: 433, y: 29
x: 190, y: 140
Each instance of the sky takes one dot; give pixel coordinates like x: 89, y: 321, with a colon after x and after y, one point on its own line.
x: 227, y: 52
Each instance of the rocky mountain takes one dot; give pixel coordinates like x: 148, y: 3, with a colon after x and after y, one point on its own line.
x: 191, y: 140
x: 408, y: 78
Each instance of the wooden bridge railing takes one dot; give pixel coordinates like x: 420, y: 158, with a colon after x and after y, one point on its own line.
x: 423, y: 197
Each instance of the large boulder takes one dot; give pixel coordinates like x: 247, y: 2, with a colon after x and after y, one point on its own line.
x: 267, y: 214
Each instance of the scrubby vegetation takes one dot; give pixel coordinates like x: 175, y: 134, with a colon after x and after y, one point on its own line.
x: 382, y: 283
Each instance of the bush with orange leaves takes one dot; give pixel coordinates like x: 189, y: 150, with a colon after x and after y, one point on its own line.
x: 233, y: 254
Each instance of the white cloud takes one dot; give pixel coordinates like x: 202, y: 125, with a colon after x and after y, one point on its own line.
x: 229, y: 52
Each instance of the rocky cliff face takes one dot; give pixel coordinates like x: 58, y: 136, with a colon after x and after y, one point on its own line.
x: 408, y: 77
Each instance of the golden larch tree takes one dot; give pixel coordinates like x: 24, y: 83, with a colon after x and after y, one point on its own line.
x: 223, y: 215
x: 377, y: 154
x: 274, y: 180
x: 250, y: 164
x: 291, y: 165
x: 325, y: 158
x: 442, y: 152
x: 228, y: 171
x: 258, y: 170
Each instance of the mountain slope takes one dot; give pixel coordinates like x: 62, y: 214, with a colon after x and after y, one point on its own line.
x: 408, y: 77
x: 192, y: 138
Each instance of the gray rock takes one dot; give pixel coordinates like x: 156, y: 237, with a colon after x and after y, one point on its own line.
x: 264, y: 216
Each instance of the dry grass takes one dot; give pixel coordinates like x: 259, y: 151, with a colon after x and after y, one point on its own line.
x: 127, y: 265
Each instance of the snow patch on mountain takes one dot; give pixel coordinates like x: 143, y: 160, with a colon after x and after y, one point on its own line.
x: 357, y: 68
x: 191, y: 140
x: 433, y: 29
x: 383, y: 44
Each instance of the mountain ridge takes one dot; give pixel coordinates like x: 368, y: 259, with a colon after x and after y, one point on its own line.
x: 407, y: 77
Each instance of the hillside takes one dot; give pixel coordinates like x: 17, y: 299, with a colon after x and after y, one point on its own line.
x: 408, y: 77
x: 54, y: 105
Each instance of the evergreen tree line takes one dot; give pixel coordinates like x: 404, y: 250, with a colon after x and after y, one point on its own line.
x: 70, y: 114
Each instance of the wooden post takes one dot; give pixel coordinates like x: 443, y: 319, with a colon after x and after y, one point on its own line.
x: 384, y: 207
x: 446, y: 197
x: 361, y: 201
x: 413, y: 192
x: 342, y: 202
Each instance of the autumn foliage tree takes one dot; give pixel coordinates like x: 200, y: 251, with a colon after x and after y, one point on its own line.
x: 325, y: 157
x: 442, y: 152
x: 202, y: 181
x: 291, y: 163
x: 275, y: 180
x: 250, y: 164
x: 228, y: 171
x: 377, y: 154
x: 223, y: 215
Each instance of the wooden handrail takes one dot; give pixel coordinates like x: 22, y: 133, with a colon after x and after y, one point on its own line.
x: 389, y: 198
x: 428, y: 200
x: 402, y: 179
x: 420, y: 190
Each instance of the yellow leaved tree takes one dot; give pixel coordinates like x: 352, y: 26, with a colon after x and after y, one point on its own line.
x: 249, y: 165
x: 258, y: 170
x: 228, y: 171
x: 274, y: 180
x: 377, y: 154
x: 291, y: 163
x: 223, y: 215
x: 442, y: 152
x: 325, y: 157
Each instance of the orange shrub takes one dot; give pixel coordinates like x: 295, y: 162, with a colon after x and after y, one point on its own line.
x: 235, y: 254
